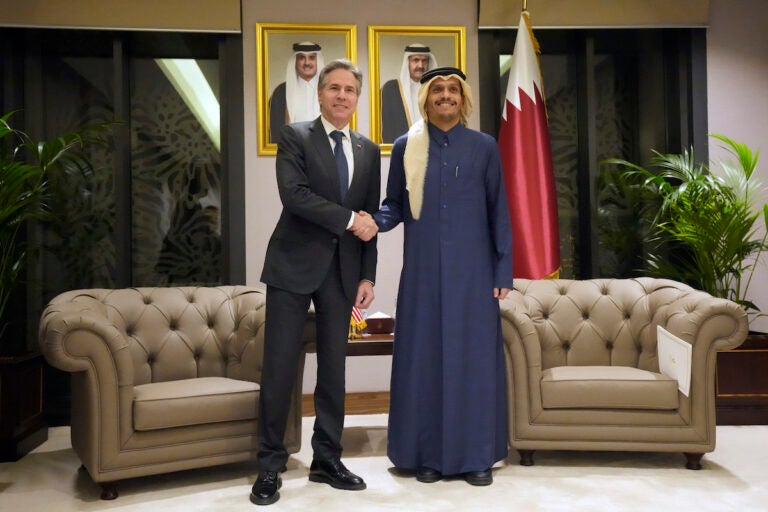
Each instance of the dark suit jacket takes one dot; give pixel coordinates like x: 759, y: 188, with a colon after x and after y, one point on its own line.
x: 278, y: 113
x: 313, y: 221
x: 394, y: 121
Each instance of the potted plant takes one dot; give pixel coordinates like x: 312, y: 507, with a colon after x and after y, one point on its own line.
x: 25, y: 167
x: 709, y: 230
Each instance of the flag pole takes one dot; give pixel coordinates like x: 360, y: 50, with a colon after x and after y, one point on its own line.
x: 525, y: 5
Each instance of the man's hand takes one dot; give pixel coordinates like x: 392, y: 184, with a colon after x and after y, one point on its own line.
x: 364, y: 294
x: 363, y: 226
x: 500, y: 293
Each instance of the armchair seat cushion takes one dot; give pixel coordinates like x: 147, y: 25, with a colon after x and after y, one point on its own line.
x: 198, y: 401
x: 607, y: 387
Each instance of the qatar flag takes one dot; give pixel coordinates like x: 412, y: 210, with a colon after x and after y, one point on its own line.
x: 527, y: 160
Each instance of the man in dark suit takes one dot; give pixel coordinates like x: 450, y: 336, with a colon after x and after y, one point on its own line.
x: 323, y: 250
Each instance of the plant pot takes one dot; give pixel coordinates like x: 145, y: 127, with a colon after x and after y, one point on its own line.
x: 741, y: 392
x: 22, y: 425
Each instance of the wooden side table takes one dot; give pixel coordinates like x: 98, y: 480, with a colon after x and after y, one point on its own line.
x: 371, y: 345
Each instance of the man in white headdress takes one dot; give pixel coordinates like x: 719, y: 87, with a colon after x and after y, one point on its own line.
x: 295, y: 99
x: 446, y: 187
x: 399, y: 97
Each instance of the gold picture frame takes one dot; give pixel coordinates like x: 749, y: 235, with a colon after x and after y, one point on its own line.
x: 386, y: 47
x: 274, y: 46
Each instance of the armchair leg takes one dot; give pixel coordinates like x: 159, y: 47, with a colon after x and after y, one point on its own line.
x: 693, y: 460
x: 108, y: 490
x: 526, y: 457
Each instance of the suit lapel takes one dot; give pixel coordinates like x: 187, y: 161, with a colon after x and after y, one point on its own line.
x: 358, y: 175
x: 323, y: 147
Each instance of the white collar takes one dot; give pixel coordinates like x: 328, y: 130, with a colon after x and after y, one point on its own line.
x: 330, y: 128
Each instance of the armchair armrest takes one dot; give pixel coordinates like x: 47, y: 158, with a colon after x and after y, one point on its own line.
x: 522, y: 351
x: 79, y: 336
x: 706, y: 321
x: 76, y: 335
x: 709, y: 324
x: 245, y: 349
x: 519, y: 332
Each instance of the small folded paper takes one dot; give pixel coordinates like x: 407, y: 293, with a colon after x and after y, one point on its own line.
x: 674, y: 358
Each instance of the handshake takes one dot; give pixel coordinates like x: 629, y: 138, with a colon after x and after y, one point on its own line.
x: 363, y: 226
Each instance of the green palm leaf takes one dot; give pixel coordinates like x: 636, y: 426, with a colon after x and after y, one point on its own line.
x: 25, y: 168
x: 706, y: 230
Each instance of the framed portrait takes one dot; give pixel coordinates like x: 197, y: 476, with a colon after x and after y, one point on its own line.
x: 398, y: 56
x: 289, y: 58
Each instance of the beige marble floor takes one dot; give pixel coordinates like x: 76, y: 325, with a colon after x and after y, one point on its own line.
x: 734, y: 478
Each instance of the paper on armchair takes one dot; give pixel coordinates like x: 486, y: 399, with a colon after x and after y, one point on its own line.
x: 675, y: 358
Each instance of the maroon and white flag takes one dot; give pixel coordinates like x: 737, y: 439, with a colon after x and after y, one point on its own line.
x: 527, y: 160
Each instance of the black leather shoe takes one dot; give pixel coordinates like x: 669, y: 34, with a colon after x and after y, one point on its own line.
x: 264, y: 491
x: 334, y: 473
x: 428, y: 475
x: 479, y: 477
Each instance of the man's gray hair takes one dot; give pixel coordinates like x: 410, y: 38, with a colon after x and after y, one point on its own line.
x: 341, y: 64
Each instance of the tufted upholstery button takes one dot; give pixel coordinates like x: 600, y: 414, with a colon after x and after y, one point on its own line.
x: 585, y: 315
x: 210, y: 323
x: 129, y: 329
x: 609, y: 344
x: 173, y: 325
x: 191, y: 298
x: 545, y: 315
x: 566, y: 345
x: 150, y: 359
x: 627, y: 315
x: 147, y: 300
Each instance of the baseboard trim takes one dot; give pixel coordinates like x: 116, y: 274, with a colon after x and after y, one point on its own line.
x: 376, y: 402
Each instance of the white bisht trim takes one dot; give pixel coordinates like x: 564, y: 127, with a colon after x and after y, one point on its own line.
x: 415, y: 164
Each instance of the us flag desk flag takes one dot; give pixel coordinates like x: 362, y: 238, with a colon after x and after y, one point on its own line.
x: 357, y: 318
x: 527, y: 160
x: 356, y: 323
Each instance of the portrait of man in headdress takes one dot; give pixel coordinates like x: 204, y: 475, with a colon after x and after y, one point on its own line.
x: 295, y: 99
x: 399, y: 107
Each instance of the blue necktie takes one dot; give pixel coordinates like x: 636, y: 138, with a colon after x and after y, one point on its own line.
x: 341, y: 162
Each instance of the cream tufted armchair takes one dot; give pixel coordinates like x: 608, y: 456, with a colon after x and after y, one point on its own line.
x: 583, y: 371
x: 163, y: 379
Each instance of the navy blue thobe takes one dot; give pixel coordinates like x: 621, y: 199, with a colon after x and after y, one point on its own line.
x: 448, y: 408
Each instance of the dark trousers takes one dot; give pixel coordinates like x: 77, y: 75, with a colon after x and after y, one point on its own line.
x: 286, y: 314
